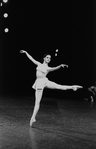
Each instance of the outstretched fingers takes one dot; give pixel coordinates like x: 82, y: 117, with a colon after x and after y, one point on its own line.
x: 64, y: 65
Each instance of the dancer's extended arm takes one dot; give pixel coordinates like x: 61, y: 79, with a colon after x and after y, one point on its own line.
x: 30, y: 57
x: 91, y: 89
x: 58, y: 67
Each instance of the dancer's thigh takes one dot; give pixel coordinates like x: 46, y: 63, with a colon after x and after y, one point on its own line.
x: 38, y: 95
x: 52, y: 85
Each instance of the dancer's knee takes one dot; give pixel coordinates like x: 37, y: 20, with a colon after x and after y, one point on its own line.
x: 38, y: 96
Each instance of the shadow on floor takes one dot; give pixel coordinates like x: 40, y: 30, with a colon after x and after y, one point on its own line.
x: 64, y: 124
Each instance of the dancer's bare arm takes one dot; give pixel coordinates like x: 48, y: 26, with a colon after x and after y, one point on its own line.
x: 58, y: 67
x: 30, y: 57
x: 91, y: 89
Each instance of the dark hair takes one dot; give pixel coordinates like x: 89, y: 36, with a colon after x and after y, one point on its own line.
x: 45, y: 56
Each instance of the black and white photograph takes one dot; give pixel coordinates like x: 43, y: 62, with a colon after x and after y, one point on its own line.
x: 47, y: 74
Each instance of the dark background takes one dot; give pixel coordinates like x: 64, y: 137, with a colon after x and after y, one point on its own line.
x: 43, y: 27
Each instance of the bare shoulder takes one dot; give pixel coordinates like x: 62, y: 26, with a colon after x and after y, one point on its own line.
x: 38, y: 64
x: 49, y: 68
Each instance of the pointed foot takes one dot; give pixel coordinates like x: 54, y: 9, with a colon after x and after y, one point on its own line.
x: 75, y: 87
x: 32, y: 121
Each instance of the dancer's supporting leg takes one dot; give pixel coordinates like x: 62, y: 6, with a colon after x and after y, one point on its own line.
x: 38, y: 96
x: 53, y: 85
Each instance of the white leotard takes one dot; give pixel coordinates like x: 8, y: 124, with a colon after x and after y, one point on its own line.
x: 41, y: 81
x: 42, y: 70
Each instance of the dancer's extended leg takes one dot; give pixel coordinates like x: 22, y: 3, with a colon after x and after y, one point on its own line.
x: 53, y: 85
x: 38, y: 96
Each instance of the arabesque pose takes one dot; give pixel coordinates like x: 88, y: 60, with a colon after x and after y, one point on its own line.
x: 42, y: 81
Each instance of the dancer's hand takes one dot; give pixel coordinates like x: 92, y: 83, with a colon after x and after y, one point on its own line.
x: 63, y: 65
x: 23, y: 51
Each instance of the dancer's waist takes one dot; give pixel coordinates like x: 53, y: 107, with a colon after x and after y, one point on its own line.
x: 40, y: 75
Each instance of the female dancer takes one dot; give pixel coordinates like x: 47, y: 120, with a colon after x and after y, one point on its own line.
x: 42, y: 81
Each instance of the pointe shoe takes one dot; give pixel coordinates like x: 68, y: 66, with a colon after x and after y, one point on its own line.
x: 75, y: 87
x: 32, y: 121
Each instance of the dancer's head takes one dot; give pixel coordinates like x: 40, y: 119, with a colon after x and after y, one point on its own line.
x: 47, y: 58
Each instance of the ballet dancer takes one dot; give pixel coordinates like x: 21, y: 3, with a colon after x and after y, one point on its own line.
x: 93, y: 90
x: 42, y: 81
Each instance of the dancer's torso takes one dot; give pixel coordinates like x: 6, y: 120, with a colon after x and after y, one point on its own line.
x: 42, y: 71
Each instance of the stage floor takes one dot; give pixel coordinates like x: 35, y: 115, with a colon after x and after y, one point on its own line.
x: 61, y: 124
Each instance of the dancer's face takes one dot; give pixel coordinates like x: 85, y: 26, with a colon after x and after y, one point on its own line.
x: 47, y: 59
